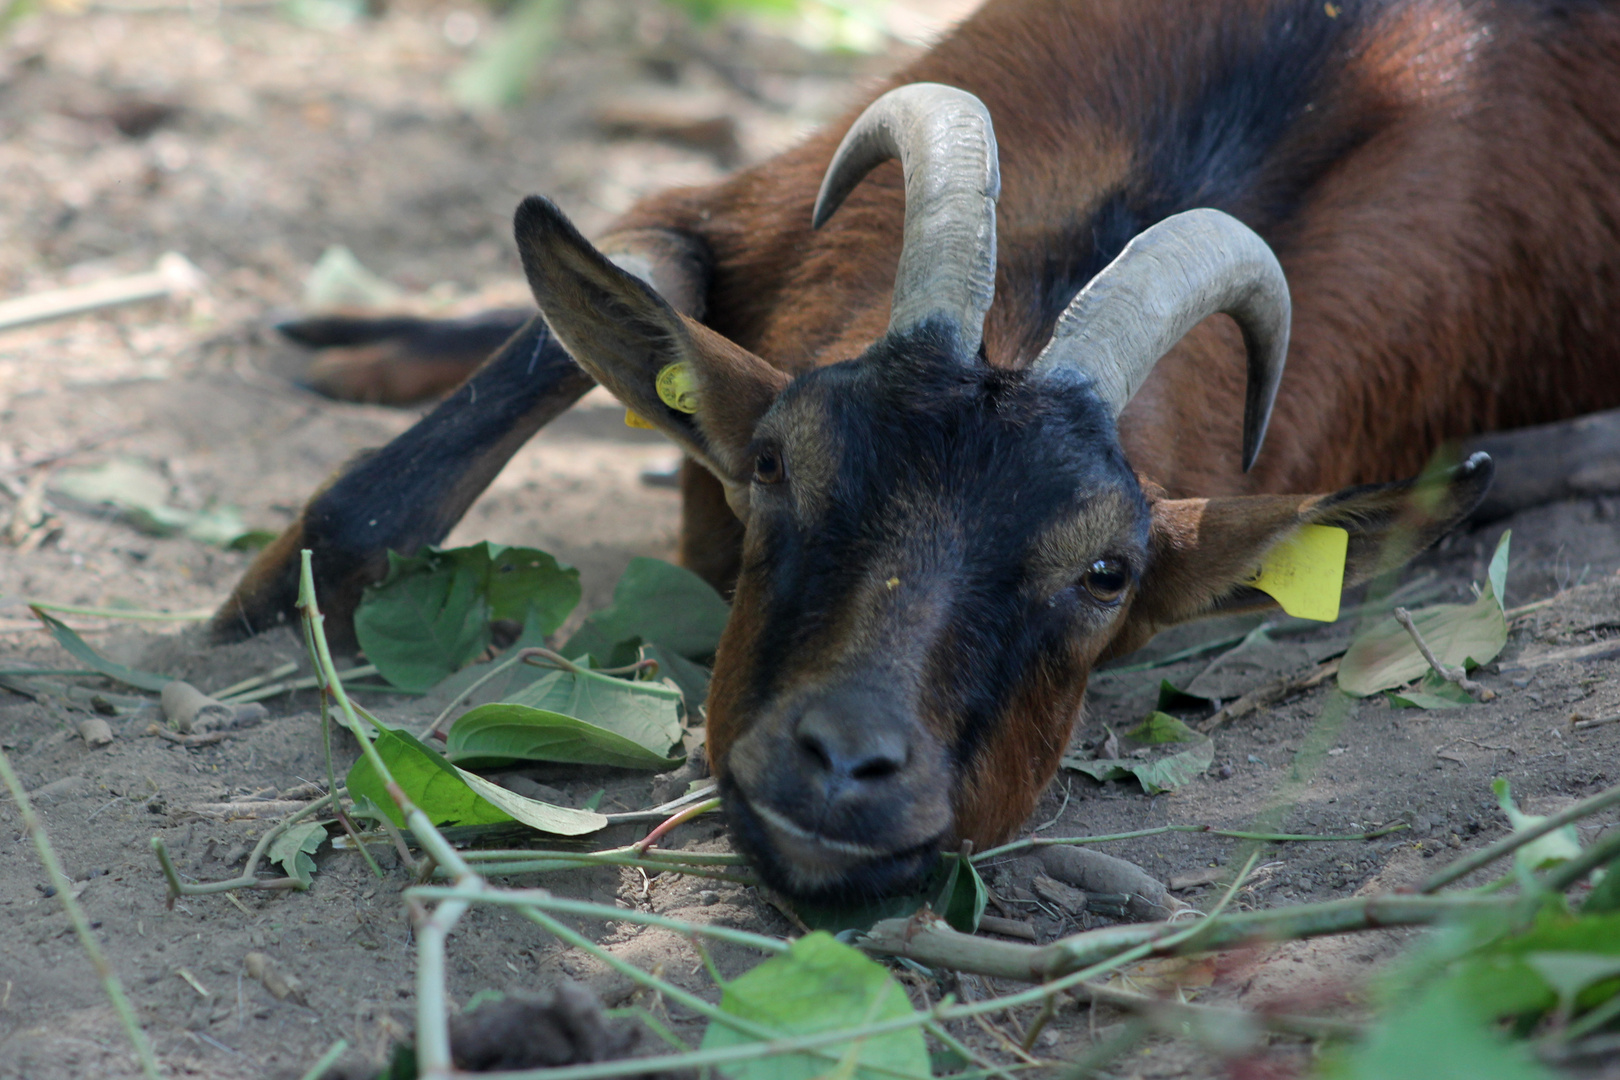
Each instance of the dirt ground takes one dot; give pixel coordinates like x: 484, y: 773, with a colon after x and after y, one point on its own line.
x: 250, y: 142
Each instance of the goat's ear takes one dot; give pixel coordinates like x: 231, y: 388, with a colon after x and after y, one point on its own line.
x: 624, y: 333
x: 1204, y: 551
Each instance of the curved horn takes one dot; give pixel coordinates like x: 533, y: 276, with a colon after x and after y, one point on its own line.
x: 947, y: 150
x: 1167, y: 279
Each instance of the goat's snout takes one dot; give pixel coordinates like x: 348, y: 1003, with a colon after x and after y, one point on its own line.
x: 844, y: 791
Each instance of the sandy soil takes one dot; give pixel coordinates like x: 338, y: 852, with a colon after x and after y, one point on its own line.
x: 250, y: 143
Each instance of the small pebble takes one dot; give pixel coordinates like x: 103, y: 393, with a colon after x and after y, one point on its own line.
x: 708, y: 896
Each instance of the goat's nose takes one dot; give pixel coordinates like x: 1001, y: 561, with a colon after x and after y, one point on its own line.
x: 851, y: 745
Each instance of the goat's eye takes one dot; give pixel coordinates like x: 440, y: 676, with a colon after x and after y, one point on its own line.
x: 1104, y: 580
x: 768, y: 468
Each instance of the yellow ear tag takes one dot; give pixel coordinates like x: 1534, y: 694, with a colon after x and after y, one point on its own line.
x: 676, y: 388
x: 1305, y: 573
x: 636, y: 420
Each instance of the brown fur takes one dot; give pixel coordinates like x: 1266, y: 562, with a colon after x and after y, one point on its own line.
x: 1451, y: 245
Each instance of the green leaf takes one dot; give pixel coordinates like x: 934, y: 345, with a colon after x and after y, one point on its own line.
x: 961, y: 900
x: 140, y: 493
x: 493, y: 735
x: 1500, y: 981
x: 1460, y: 635
x: 646, y: 713
x: 1558, y: 846
x: 1605, y: 895
x: 294, y: 847
x: 452, y: 796
x: 954, y: 891
x: 81, y: 650
x: 820, y: 985
x: 1438, y: 1037
x: 431, y: 615
x: 660, y: 603
x: 1155, y: 772
x: 499, y: 74
x: 1433, y: 692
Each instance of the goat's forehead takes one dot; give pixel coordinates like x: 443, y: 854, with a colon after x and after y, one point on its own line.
x: 893, y: 424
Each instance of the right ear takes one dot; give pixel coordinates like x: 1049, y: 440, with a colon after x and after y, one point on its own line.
x: 624, y: 333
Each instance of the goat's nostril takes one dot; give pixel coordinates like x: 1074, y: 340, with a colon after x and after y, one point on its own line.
x: 813, y: 745
x: 850, y: 749
x: 876, y: 768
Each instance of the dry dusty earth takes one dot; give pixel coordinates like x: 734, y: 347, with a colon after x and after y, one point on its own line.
x: 250, y: 142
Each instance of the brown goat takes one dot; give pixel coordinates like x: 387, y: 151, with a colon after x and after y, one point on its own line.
x: 932, y: 527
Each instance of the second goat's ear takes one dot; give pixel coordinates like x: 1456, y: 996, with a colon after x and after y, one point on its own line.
x: 625, y: 334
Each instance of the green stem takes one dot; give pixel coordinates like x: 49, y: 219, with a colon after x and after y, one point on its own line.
x: 1514, y: 841
x: 246, y: 880
x: 1230, y: 834
x: 81, y: 925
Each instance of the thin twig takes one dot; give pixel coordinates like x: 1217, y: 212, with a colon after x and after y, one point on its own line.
x: 1455, y: 675
x: 245, y: 880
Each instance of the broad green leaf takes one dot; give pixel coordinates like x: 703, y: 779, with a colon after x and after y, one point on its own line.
x: 1156, y: 772
x: 1500, y: 980
x: 1433, y: 692
x: 1569, y: 973
x: 293, y: 848
x: 140, y: 493
x: 646, y: 713
x: 1558, y: 846
x: 820, y: 985
x: 1460, y: 635
x: 532, y: 812
x: 431, y: 615
x: 1437, y: 1037
x: 452, y: 796
x: 81, y: 650
x: 954, y: 891
x: 659, y: 603
x: 499, y: 734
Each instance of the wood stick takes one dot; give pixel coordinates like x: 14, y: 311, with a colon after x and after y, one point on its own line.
x: 174, y: 275
x: 1454, y: 675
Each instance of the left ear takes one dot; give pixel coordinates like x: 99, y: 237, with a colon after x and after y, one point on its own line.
x: 625, y: 334
x: 1204, y: 550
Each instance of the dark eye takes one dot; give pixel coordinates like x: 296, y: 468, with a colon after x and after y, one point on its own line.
x: 1105, y: 580
x: 768, y: 468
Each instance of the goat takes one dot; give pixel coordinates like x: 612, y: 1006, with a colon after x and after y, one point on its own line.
x: 962, y: 429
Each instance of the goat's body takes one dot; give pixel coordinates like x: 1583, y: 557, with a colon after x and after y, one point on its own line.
x: 1440, y: 179
x: 936, y: 554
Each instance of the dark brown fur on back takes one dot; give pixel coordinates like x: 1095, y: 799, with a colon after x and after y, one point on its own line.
x: 1442, y: 194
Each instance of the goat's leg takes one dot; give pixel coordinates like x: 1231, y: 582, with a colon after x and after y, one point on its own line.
x: 1548, y: 462
x: 409, y: 493
x: 399, y: 360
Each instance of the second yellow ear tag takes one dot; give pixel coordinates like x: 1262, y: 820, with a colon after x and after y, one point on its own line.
x: 1305, y: 573
x: 676, y: 388
x: 636, y: 420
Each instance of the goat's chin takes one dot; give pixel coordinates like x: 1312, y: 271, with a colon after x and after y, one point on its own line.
x: 821, y: 870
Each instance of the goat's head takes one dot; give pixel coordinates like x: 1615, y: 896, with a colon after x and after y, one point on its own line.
x: 937, y: 551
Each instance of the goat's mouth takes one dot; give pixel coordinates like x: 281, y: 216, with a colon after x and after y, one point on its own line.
x: 817, y: 868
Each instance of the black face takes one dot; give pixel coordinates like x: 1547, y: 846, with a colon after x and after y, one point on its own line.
x: 931, y: 544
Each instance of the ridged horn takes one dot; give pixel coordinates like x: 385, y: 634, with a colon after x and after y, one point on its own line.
x: 947, y: 150
x: 1167, y: 279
